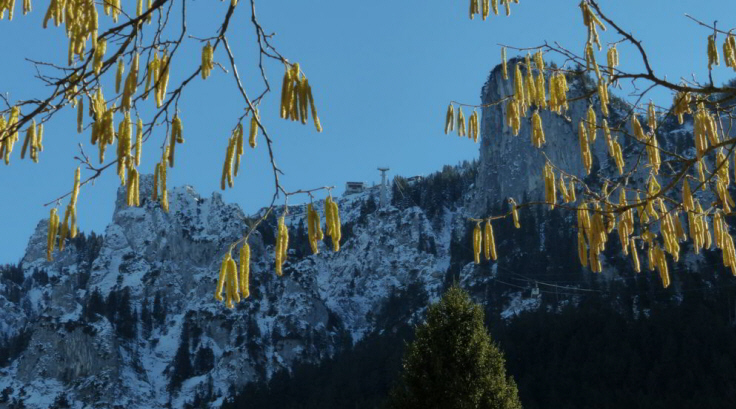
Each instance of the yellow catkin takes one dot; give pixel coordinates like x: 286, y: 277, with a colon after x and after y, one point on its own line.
x: 51, y: 239
x: 590, y: 61
x: 449, y: 119
x: 592, y: 124
x: 238, y: 135
x: 550, y: 193
x: 312, y: 228
x: 519, y: 96
x: 651, y: 116
x: 176, y: 137
x: 474, y: 8
x: 582, y: 249
x: 253, y: 131
x: 154, y: 190
x: 473, y: 127
x: 537, y: 130
x: 488, y: 242
x: 681, y: 105
x: 514, y: 212
x: 221, y: 278
x: 207, y: 60
x: 513, y: 120
x: 80, y: 115
x: 460, y: 122
x: 162, y: 80
x: 530, y: 91
x: 585, y: 147
x: 278, y: 254
x: 713, y: 58
x: 138, y: 141
x: 729, y: 51
x: 603, y: 96
x: 227, y: 176
x: 245, y: 270
x: 563, y: 189
x: 477, y: 243
x: 30, y: 137
x: 232, y: 283
x: 124, y: 147
x: 64, y: 232
x: 164, y: 190
x: 284, y: 241
x: 504, y: 67
x: 336, y: 228
x: 119, y: 75
x: 635, y: 256
x: 612, y: 59
x: 131, y: 84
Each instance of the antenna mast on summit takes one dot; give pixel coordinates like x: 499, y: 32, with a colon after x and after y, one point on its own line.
x: 383, y: 186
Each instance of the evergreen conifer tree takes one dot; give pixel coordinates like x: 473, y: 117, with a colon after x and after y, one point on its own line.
x: 453, y: 363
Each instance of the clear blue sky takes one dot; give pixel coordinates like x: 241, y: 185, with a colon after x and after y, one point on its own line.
x: 382, y: 72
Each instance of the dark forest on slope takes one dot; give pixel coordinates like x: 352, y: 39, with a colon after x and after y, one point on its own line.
x: 593, y: 342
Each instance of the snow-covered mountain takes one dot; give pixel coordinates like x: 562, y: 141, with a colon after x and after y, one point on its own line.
x: 128, y: 318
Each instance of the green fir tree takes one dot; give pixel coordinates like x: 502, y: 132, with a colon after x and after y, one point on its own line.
x: 452, y: 363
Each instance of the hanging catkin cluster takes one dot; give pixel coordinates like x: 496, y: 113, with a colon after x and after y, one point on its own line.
x: 158, y: 75
x: 612, y: 60
x: 713, y: 58
x: 334, y: 230
x: 81, y: 23
x: 537, y: 130
x: 282, y: 245
x: 614, y: 148
x: 603, y: 96
x: 514, y: 212
x: 681, y: 105
x: 591, y: 21
x: 649, y: 139
x: 724, y: 241
x: 159, y: 179
x: 314, y: 229
x: 9, y: 133
x: 235, y: 282
x: 7, y: 5
x: 723, y: 181
x: 483, y: 240
x: 625, y: 222
x: 585, y: 147
x: 550, y: 192
x: 296, y: 97
x: 568, y: 192
x: 705, y: 130
x: 68, y: 228
x: 473, y: 127
x: 34, y: 137
x: 207, y: 60
x: 729, y: 51
x: 558, y: 93
x: 460, y: 122
x: 176, y: 137
x: 232, y: 157
x: 484, y: 7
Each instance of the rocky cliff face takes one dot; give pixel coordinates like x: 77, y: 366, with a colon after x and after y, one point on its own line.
x: 509, y: 165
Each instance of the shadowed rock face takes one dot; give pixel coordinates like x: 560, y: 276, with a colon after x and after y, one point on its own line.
x: 510, y: 166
